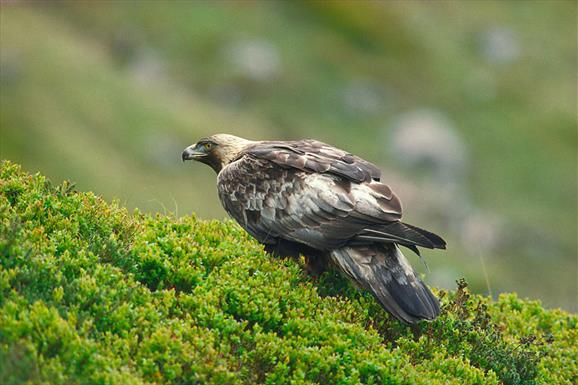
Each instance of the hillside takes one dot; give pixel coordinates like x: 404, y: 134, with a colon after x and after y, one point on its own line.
x: 108, y: 93
x: 92, y: 294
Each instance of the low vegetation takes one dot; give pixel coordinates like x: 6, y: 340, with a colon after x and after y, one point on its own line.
x: 90, y: 293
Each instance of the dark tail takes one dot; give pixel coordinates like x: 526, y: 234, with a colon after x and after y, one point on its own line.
x: 400, y: 233
x: 385, y: 272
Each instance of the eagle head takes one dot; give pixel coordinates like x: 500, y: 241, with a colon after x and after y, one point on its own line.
x: 216, y: 151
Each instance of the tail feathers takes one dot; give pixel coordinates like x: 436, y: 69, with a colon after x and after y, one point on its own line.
x: 383, y: 270
x: 403, y: 234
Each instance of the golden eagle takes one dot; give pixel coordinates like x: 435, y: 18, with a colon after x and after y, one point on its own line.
x: 306, y: 197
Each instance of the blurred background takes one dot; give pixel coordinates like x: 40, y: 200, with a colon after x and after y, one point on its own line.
x: 468, y: 107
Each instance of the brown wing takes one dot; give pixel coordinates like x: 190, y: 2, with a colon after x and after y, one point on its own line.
x: 321, y: 210
x: 314, y: 156
x: 312, y: 193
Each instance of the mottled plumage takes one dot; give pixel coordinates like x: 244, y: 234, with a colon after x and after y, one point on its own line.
x: 306, y: 197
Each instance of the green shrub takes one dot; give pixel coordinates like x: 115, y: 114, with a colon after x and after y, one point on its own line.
x: 92, y: 294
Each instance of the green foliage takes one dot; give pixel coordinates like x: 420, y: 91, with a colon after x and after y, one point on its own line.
x: 92, y: 294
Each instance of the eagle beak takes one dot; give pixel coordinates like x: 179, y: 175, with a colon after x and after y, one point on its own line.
x: 191, y: 152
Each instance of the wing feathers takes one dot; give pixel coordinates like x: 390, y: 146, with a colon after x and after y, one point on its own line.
x: 403, y: 234
x: 437, y: 241
x: 315, y: 156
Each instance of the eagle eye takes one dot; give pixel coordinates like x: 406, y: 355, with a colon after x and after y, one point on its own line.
x: 207, y: 146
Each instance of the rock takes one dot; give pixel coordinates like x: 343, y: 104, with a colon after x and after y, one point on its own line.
x: 255, y: 59
x: 147, y: 66
x: 499, y: 45
x: 426, y: 140
x: 142, y: 62
x: 363, y: 97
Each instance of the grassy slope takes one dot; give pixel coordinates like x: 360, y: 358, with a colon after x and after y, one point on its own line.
x: 90, y: 294
x: 92, y: 122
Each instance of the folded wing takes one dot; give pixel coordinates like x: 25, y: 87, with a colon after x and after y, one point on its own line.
x: 318, y: 157
x: 321, y: 210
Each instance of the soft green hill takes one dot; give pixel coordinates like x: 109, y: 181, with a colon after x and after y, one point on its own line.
x: 108, y: 93
x: 92, y: 294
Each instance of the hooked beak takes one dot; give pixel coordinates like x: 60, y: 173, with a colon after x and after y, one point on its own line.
x: 191, y: 152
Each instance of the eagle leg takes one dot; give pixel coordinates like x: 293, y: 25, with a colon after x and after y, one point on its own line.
x: 281, y: 249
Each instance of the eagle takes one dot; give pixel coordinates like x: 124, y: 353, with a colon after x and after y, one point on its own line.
x: 308, y: 198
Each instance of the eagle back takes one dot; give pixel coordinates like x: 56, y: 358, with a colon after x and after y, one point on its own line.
x: 314, y: 156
